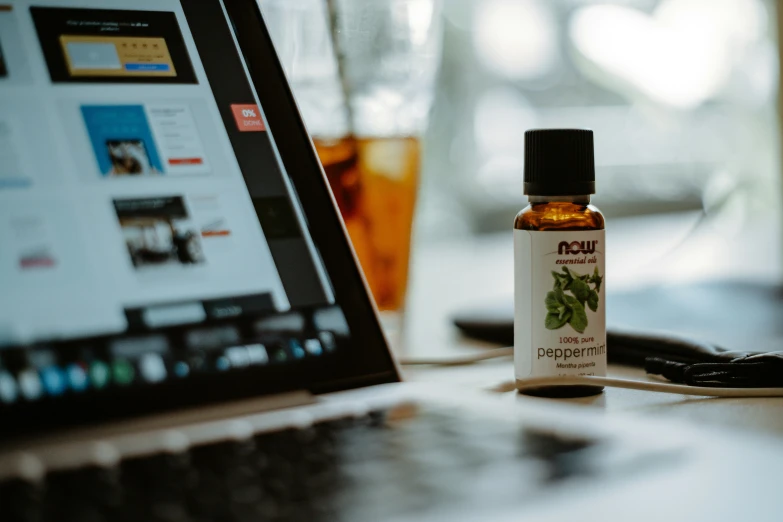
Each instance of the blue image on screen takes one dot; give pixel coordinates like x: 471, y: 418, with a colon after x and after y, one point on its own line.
x: 147, y: 67
x: 122, y: 140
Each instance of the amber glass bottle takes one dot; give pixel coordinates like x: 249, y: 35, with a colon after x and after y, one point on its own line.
x: 560, y: 324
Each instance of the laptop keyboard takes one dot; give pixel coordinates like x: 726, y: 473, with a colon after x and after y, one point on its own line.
x: 406, y: 462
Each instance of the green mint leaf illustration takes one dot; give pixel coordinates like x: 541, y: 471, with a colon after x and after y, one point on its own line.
x: 560, y: 296
x: 580, y: 290
x: 578, y: 319
x: 592, y: 300
x: 553, y: 321
x: 596, y: 279
x: 566, y: 279
x: 561, y: 280
x: 552, y: 303
x: 569, y: 308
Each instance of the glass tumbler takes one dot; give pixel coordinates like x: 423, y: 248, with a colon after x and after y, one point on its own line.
x: 363, y: 74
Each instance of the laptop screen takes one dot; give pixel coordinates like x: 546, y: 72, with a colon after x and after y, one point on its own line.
x: 149, y: 231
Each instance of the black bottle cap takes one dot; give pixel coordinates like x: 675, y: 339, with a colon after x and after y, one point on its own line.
x: 559, y: 162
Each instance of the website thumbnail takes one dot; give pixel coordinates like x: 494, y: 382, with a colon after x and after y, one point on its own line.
x: 83, y: 45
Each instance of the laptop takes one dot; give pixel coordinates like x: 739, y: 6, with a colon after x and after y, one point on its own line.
x: 185, y: 334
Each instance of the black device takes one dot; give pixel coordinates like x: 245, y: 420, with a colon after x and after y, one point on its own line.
x: 684, y: 332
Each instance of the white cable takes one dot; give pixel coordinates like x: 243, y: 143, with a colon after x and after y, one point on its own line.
x: 588, y: 380
x: 460, y: 361
x: 683, y: 389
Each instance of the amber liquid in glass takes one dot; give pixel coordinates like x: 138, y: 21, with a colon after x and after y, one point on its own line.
x: 576, y: 214
x: 375, y: 181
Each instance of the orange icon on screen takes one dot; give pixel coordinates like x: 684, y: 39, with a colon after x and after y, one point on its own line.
x: 248, y: 117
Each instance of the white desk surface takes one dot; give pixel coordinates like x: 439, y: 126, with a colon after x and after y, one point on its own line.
x: 450, y: 275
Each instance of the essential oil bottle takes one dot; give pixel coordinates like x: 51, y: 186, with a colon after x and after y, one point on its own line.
x: 559, y: 294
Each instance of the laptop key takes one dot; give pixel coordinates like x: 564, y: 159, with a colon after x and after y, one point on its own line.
x: 86, y: 494
x: 22, y: 500
x: 155, y: 487
x: 228, y: 486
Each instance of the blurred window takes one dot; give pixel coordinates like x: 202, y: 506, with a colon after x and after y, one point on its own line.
x: 680, y: 93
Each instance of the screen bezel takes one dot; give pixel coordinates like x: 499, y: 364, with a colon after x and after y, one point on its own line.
x: 366, y: 361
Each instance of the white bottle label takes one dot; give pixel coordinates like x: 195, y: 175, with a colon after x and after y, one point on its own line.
x: 559, y: 304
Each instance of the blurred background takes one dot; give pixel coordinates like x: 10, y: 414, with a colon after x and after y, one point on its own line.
x: 682, y: 96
